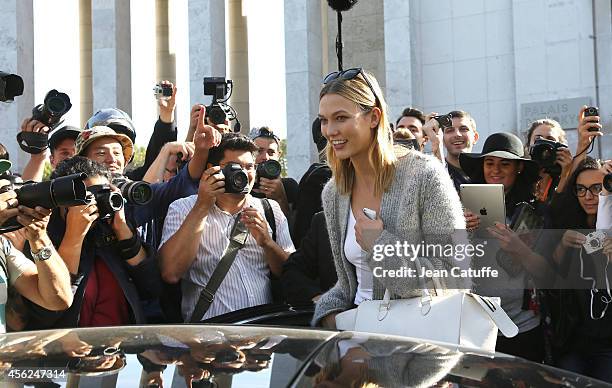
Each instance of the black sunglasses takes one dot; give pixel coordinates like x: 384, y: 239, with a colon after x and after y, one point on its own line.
x: 350, y: 74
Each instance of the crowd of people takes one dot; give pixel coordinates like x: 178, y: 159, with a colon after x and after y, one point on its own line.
x: 219, y: 233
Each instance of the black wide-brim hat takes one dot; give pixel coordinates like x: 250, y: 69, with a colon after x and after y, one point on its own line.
x: 502, y: 145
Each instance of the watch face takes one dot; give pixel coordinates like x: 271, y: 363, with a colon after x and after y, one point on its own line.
x: 45, y: 253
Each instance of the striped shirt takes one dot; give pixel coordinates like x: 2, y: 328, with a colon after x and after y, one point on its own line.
x: 247, y: 283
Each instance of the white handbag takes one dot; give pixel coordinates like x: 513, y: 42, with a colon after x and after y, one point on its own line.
x: 467, y: 322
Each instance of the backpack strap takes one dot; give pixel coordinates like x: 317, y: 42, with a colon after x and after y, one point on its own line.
x: 269, y: 213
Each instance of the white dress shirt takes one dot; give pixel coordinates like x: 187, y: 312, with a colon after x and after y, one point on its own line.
x: 247, y: 283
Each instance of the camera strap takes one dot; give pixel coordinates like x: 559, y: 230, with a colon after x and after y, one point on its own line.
x: 269, y: 213
x: 237, y: 239
x: 606, y: 299
x: 33, y: 142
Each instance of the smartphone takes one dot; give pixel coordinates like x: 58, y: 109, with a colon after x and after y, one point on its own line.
x: 371, y: 214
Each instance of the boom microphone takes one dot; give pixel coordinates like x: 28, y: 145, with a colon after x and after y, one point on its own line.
x: 341, y: 5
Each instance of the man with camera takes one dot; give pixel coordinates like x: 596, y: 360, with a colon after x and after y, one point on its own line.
x: 268, y: 183
x: 411, y: 122
x: 45, y: 281
x: 110, y: 266
x: 198, y: 230
x: 165, y: 130
x: 115, y: 150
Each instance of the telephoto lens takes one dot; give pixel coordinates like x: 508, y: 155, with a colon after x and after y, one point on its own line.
x: 68, y: 190
x: 270, y: 169
x: 50, y: 113
x: 135, y: 192
x: 236, y: 180
x: 108, y: 202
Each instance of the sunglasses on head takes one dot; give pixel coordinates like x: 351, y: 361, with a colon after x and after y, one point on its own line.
x: 350, y: 74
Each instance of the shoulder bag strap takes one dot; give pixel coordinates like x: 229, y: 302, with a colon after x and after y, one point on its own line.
x: 269, y: 213
x: 207, y: 295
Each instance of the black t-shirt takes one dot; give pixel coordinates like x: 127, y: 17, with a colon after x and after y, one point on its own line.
x: 458, y: 176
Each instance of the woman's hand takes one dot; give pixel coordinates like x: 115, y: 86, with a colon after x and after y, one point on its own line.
x: 472, y: 221
x: 509, y: 241
x: 573, y: 239
x: 367, y: 231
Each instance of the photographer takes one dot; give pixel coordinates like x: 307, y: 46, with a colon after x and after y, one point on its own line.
x: 582, y: 322
x: 165, y: 130
x: 45, y: 281
x: 411, y: 121
x: 197, y: 231
x: 553, y: 173
x: 61, y: 146
x: 114, y: 150
x: 282, y: 190
x: 110, y: 266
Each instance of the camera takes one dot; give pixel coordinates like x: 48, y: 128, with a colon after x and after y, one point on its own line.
x: 50, y: 113
x: 270, y: 169
x: 594, y: 241
x: 11, y: 85
x: 162, y: 91
x: 108, y: 202
x: 411, y: 144
x: 607, y: 183
x: 218, y: 88
x: 66, y: 191
x: 55, y: 105
x: 444, y: 121
x: 134, y: 192
x: 544, y: 152
x: 236, y: 180
x: 591, y: 111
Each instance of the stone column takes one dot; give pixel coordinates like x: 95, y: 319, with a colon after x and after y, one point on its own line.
x: 17, y: 57
x: 398, y: 67
x: 111, y: 55
x: 85, y: 48
x: 303, y: 48
x: 166, y: 61
x: 206, y: 45
x: 603, y: 47
x: 239, y: 61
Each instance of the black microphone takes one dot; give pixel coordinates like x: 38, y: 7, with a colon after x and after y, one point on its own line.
x: 341, y: 5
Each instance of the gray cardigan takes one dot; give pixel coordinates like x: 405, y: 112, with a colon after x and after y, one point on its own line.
x: 421, y: 205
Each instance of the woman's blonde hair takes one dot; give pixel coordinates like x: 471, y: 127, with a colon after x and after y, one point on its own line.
x: 381, y: 153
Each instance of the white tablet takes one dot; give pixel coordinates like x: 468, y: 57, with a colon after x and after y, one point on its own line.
x: 487, y: 202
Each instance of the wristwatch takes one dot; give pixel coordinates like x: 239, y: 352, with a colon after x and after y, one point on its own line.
x: 43, y: 254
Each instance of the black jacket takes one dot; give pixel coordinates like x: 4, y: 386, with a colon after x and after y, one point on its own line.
x: 309, y: 200
x: 162, y: 133
x: 143, y: 280
x: 310, y: 270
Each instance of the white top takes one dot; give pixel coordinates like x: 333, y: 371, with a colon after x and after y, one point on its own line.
x: 247, y: 283
x: 604, y: 212
x: 356, y: 256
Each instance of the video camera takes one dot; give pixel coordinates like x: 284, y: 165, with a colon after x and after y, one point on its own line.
x: 50, y: 113
x: 544, y: 152
x: 69, y: 190
x: 221, y: 91
x: 11, y: 85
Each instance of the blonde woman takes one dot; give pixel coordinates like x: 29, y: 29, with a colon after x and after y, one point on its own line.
x: 413, y: 197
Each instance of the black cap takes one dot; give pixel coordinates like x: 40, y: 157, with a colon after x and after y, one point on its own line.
x: 65, y: 132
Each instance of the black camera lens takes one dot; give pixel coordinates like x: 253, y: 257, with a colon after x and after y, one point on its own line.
x: 236, y: 180
x: 607, y: 183
x: 591, y: 111
x: 216, y: 114
x: 135, y: 192
x: 544, y: 152
x: 51, y: 111
x: 107, y: 201
x: 270, y: 169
